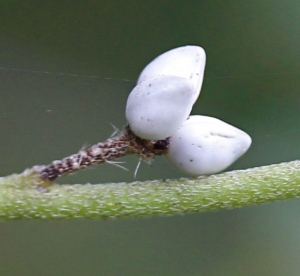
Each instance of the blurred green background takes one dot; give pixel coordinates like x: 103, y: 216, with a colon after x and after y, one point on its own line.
x: 95, y: 51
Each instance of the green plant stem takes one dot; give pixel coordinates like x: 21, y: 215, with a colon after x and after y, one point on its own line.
x: 24, y: 196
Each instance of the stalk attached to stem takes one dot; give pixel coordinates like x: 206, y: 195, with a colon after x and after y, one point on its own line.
x: 125, y: 143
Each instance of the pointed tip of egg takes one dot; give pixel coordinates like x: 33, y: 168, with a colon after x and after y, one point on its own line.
x: 185, y: 61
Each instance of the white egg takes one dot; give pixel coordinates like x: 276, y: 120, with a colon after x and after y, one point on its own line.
x: 157, y: 106
x: 186, y: 62
x: 206, y: 145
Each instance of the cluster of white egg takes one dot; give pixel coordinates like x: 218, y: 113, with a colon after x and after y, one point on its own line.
x: 159, y: 107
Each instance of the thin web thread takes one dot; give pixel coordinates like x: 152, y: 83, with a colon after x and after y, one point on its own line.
x: 62, y: 74
x: 129, y: 80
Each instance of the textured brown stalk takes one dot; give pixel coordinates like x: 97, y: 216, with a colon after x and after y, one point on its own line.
x: 125, y: 143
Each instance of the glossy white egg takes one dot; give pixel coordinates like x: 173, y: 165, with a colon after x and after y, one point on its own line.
x: 158, y: 106
x: 206, y: 145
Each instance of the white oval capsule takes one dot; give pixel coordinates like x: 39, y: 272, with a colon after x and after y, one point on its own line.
x: 206, y: 145
x: 158, y: 106
x: 186, y: 62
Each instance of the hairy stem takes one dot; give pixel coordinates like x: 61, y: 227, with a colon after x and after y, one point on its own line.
x: 24, y: 196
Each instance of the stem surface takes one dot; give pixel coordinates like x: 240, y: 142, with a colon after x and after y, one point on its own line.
x: 25, y: 196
